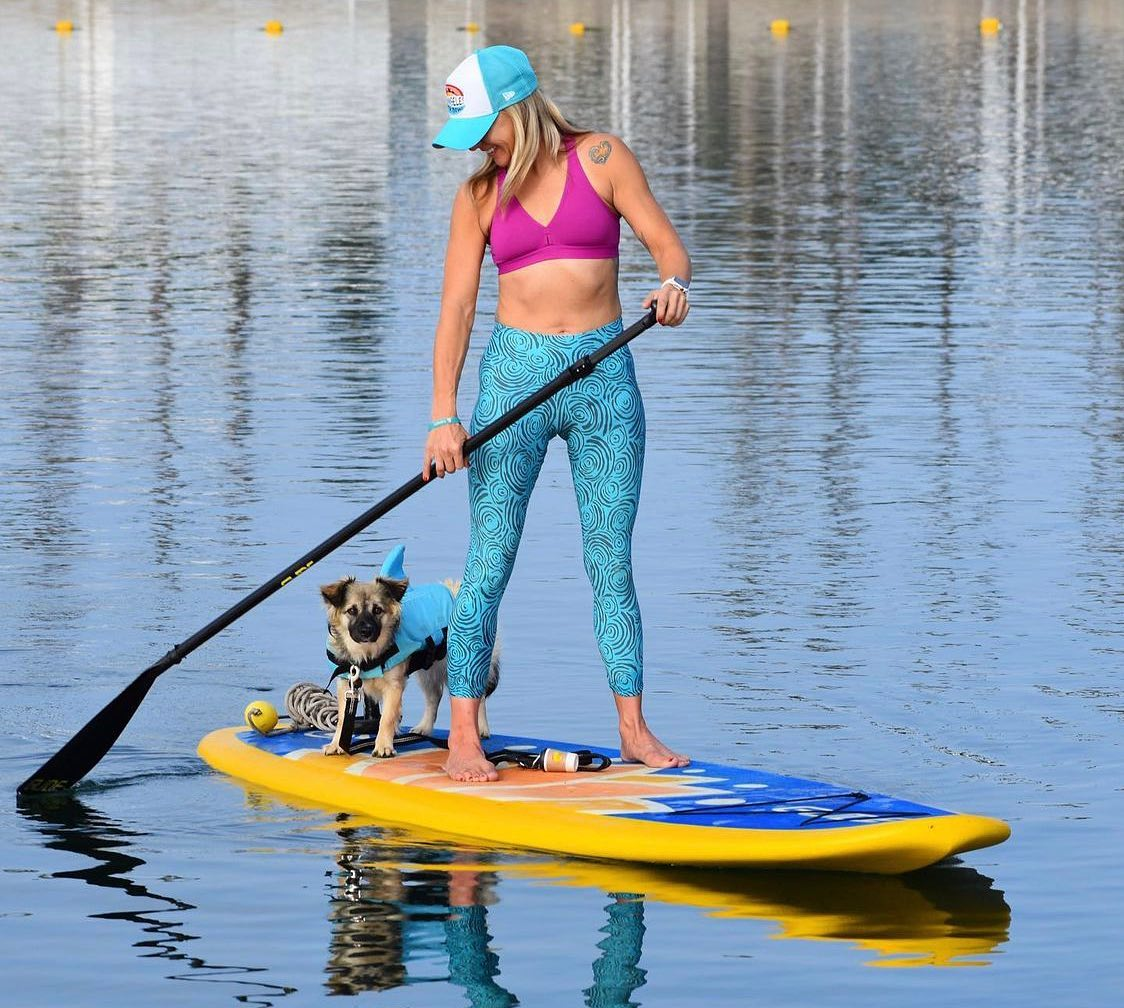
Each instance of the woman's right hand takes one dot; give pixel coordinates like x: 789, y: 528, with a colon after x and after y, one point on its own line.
x: 444, y: 449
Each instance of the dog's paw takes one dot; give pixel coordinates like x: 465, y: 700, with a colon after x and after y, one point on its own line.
x: 422, y: 728
x: 384, y: 747
x: 331, y: 749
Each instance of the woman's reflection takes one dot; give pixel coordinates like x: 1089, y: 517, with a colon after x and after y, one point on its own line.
x: 389, y: 921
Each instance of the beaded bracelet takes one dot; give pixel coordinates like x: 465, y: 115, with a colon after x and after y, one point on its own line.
x: 444, y: 422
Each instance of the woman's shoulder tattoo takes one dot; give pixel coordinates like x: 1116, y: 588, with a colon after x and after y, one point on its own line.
x: 599, y: 153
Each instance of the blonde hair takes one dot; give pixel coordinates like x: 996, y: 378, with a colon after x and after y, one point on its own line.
x: 538, y: 124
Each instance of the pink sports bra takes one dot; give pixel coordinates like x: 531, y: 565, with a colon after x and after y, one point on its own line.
x: 583, y: 226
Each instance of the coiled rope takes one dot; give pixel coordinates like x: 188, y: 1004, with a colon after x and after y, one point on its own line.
x: 311, y: 706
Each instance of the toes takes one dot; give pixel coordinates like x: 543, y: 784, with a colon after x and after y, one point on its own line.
x: 471, y: 775
x: 658, y: 759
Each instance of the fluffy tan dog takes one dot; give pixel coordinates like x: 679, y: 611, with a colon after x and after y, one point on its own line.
x: 363, y: 619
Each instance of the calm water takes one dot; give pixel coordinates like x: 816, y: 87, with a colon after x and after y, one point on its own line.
x: 881, y: 543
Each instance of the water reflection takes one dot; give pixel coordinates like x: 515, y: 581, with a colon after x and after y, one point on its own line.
x: 68, y: 825
x: 387, y: 916
x: 388, y: 912
x: 949, y: 915
x: 400, y: 905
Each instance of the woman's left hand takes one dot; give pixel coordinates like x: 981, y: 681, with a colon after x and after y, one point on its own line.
x: 671, y: 305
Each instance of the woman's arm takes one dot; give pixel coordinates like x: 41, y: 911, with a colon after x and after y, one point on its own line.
x: 634, y: 201
x: 463, y: 256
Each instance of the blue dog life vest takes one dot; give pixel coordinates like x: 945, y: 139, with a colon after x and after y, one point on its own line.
x: 426, y: 611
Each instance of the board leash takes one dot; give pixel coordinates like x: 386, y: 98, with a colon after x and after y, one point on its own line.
x: 547, y: 760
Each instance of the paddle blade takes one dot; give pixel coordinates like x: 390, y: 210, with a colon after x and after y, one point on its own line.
x: 83, y: 752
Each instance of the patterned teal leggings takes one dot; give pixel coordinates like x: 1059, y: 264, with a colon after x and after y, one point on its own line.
x: 601, y: 419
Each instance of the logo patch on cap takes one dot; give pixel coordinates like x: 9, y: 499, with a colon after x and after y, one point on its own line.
x: 508, y: 95
x: 454, y: 98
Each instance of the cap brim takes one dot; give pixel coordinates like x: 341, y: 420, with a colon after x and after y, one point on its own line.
x: 464, y: 134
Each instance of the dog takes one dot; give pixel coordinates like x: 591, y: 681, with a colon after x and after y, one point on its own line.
x: 365, y: 623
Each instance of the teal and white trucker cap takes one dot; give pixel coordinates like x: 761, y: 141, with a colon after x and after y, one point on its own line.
x: 489, y: 80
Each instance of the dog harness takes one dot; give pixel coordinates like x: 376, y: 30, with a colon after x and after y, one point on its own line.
x: 422, y: 631
x: 583, y: 226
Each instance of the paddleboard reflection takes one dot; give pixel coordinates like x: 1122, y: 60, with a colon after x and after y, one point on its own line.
x: 401, y: 897
x: 405, y: 908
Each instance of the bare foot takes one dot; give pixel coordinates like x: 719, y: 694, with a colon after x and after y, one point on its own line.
x: 468, y: 763
x: 639, y: 745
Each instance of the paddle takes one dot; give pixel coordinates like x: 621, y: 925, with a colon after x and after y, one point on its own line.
x: 83, y: 752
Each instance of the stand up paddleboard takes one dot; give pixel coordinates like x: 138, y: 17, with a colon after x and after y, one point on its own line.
x: 703, y: 814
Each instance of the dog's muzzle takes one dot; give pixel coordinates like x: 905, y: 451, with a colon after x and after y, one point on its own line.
x: 365, y: 629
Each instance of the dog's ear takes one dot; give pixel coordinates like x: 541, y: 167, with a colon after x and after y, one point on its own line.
x: 334, y: 594
x: 394, y: 586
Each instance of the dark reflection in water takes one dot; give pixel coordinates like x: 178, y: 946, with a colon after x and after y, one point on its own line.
x: 385, y: 917
x: 68, y: 825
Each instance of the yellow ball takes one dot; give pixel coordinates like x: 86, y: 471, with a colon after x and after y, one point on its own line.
x: 779, y: 26
x: 577, y: 28
x: 990, y: 26
x: 64, y: 27
x: 261, y: 715
x: 472, y: 27
x: 273, y: 28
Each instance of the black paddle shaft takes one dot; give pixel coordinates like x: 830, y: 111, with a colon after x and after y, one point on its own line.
x: 86, y: 749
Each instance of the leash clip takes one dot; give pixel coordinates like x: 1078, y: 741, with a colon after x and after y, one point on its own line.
x: 354, y: 686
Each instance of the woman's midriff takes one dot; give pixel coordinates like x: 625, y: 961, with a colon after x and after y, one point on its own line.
x: 560, y: 296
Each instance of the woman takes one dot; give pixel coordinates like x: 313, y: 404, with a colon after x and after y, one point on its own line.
x: 557, y: 301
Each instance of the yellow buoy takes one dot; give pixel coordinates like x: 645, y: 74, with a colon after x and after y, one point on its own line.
x: 472, y: 27
x: 990, y: 26
x: 577, y: 28
x: 64, y: 27
x: 273, y: 28
x: 261, y: 715
x: 779, y: 26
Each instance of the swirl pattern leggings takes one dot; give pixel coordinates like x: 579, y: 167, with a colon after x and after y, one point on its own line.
x: 601, y: 419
